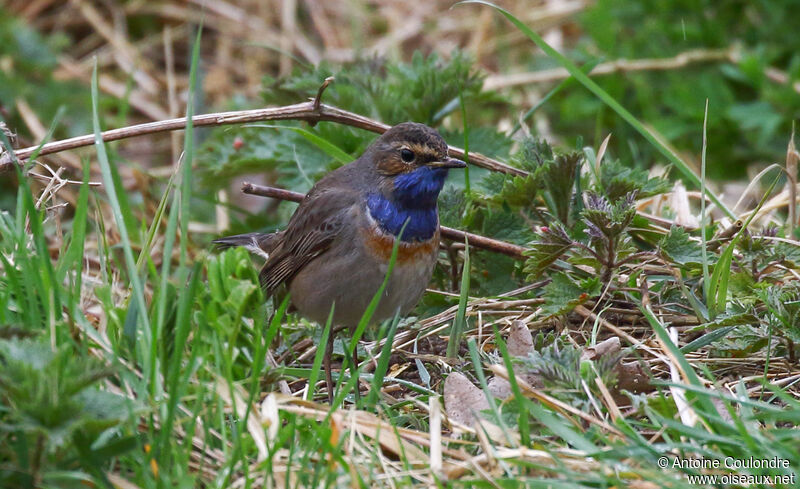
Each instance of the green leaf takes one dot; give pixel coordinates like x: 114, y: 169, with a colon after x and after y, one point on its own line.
x: 678, y: 246
x: 102, y: 409
x: 512, y: 190
x: 760, y: 117
x: 559, y: 180
x: 505, y: 224
x: 562, y: 294
x: 383, y: 363
x: 618, y: 180
x: 720, y: 328
x: 452, y: 204
x: 328, y: 147
x: 298, y: 162
x: 424, y: 90
x: 703, y: 402
x: 606, y: 222
x: 544, y: 251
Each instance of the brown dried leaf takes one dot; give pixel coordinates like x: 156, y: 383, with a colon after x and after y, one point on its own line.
x: 520, y: 340
x: 632, y: 377
x: 462, y: 400
x: 611, y: 346
x: 679, y: 202
x: 499, y: 387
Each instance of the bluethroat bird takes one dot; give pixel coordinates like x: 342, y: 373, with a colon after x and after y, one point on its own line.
x: 335, y: 251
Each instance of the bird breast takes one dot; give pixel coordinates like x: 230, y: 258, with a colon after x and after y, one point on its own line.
x: 380, y: 244
x: 351, y: 272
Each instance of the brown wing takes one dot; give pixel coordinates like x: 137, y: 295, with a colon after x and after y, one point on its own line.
x: 258, y: 243
x: 310, y: 232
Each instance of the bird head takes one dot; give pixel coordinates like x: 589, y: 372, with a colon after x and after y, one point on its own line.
x: 412, y: 163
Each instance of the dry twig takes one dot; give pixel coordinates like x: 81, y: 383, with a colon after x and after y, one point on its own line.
x: 616, y: 66
x: 305, y: 111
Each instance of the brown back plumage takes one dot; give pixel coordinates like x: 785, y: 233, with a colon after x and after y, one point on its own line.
x: 311, y: 230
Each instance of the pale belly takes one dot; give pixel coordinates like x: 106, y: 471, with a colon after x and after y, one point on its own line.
x: 348, y: 277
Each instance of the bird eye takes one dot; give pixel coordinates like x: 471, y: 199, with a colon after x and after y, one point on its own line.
x: 407, y: 155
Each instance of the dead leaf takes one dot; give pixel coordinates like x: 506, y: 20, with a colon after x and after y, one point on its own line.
x: 499, y: 387
x: 632, y: 377
x: 520, y: 340
x: 462, y: 400
x: 611, y: 346
x: 679, y: 202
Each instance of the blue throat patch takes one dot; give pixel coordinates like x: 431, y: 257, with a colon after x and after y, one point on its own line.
x: 413, y: 200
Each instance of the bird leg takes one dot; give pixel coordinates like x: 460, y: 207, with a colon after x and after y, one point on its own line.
x: 326, y: 360
x: 354, y: 372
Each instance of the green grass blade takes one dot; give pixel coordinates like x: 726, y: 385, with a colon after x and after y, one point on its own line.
x: 467, y: 187
x: 169, y: 243
x: 723, y: 266
x: 707, y: 339
x: 188, y: 151
x: 383, y: 363
x: 718, y: 288
x: 460, y: 321
x: 163, y: 290
x: 37, y: 277
x: 586, y: 68
x: 73, y: 257
x: 275, y: 323
x: 342, y: 391
x: 47, y: 137
x: 321, y: 347
x: 476, y: 361
x: 112, y: 190
x: 367, y: 316
x: 706, y: 277
x: 604, y: 96
x: 156, y: 223
x: 685, y: 367
x: 519, y: 398
x: 183, y: 325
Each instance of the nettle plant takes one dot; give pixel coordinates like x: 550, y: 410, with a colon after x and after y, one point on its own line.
x: 587, y: 222
x: 57, y: 425
x: 592, y: 247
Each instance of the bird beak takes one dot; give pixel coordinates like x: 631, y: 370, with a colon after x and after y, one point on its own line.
x: 448, y: 163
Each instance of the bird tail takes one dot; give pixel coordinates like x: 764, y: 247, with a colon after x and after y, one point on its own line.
x: 256, y: 243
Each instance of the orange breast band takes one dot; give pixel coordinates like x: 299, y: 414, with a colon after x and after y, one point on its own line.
x: 381, y: 245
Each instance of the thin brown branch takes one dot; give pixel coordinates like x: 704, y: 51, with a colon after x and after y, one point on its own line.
x: 616, y: 66
x: 475, y: 240
x: 725, y: 235
x: 318, y: 99
x: 695, y: 56
x: 303, y: 112
x: 781, y: 78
